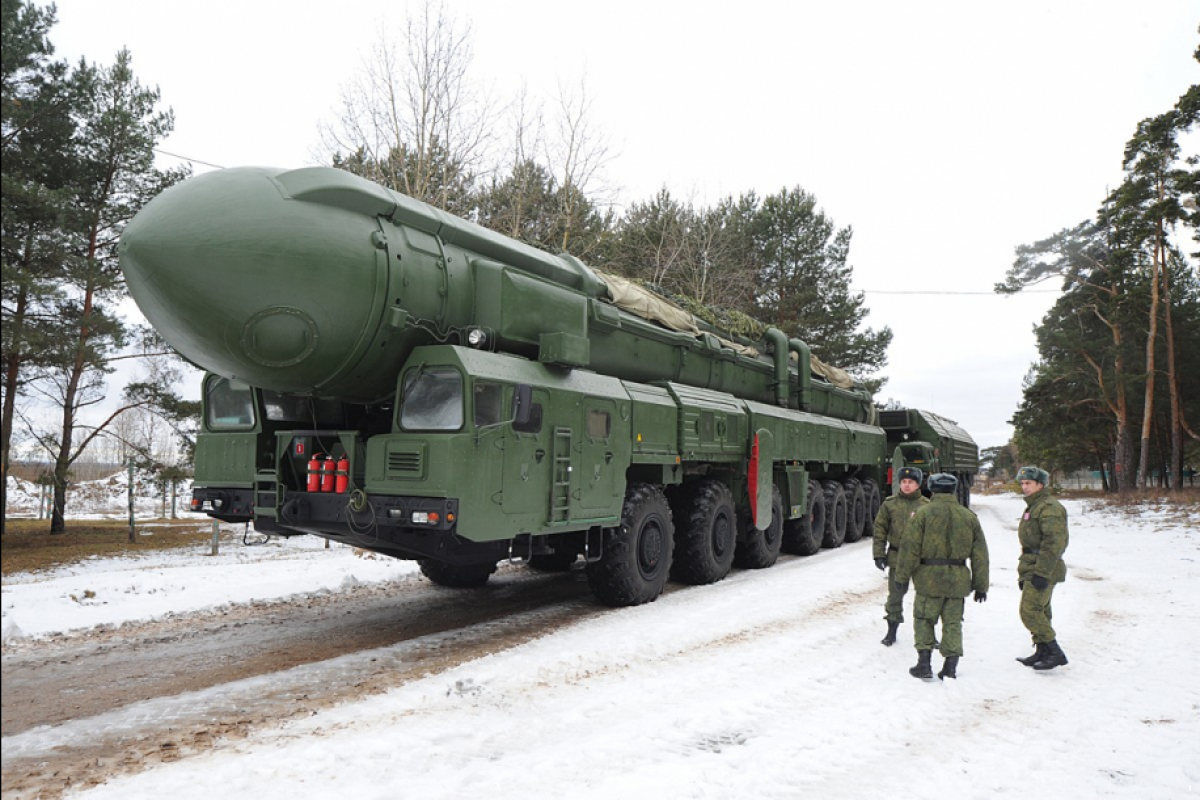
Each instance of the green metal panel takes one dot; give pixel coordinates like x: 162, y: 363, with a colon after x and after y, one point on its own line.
x: 765, y: 444
x: 604, y: 434
x: 226, y: 459
x: 655, y: 425
x: 712, y: 425
x: 795, y: 490
x: 563, y: 349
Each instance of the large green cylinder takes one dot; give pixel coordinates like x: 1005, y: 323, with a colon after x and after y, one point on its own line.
x: 320, y: 282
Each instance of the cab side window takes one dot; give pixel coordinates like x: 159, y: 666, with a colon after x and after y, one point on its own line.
x: 599, y: 424
x: 489, y: 403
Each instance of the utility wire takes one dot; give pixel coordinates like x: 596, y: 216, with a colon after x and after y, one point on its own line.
x: 186, y: 158
x: 1023, y: 291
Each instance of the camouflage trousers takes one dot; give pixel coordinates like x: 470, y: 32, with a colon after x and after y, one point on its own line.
x: 926, y: 612
x: 894, y: 607
x: 1036, y: 613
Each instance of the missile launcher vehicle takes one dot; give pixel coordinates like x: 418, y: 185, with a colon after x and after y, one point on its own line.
x: 384, y: 374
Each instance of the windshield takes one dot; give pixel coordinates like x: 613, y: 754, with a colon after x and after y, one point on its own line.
x: 432, y: 400
x: 296, y: 408
x: 229, y: 405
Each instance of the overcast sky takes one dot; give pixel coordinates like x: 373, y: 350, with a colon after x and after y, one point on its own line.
x: 944, y: 133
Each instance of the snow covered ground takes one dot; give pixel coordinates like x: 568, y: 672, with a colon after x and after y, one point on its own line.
x: 771, y: 684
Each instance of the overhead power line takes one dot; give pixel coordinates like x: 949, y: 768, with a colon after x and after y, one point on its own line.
x: 1023, y: 291
x: 187, y: 158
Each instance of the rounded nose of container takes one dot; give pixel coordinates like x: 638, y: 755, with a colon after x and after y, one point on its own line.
x: 251, y: 284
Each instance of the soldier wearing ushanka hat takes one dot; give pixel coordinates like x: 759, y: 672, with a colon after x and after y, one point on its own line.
x: 1043, y: 535
x: 946, y: 556
x: 890, y: 523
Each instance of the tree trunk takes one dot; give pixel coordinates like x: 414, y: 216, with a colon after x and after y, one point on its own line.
x: 1148, y: 409
x: 1177, y: 424
x: 1123, y: 455
x: 64, y: 459
x: 12, y: 375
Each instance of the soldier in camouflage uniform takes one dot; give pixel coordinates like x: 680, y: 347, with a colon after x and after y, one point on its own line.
x: 1043, y: 535
x: 890, y: 523
x: 939, y: 541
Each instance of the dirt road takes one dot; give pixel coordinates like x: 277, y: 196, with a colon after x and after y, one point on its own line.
x: 80, y: 709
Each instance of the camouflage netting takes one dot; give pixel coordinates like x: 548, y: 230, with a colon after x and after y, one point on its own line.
x: 680, y: 313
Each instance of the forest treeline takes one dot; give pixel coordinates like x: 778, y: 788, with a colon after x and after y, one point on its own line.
x: 1116, y: 388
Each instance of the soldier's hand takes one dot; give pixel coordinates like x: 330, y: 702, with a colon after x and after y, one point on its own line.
x: 1040, y: 583
x: 1021, y: 585
x: 980, y: 597
x: 881, y: 563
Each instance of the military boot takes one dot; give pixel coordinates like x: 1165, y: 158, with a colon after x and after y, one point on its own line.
x: 948, y: 668
x: 1038, y: 651
x: 890, y: 638
x: 922, y: 669
x: 1053, y: 657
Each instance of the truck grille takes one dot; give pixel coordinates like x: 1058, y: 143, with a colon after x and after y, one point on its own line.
x: 409, y: 463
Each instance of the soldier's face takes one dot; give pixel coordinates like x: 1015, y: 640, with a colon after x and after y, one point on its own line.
x: 1027, y: 486
x: 908, y: 485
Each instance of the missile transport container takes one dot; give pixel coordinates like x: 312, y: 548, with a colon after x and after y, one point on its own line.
x: 384, y: 374
x: 931, y: 443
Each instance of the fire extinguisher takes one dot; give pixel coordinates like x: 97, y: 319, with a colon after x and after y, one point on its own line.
x: 314, y: 473
x: 327, y: 469
x: 343, y: 475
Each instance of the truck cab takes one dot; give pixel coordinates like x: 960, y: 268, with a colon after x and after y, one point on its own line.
x: 921, y: 455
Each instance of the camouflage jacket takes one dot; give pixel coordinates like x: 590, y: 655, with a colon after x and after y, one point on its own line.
x: 890, y: 523
x: 1043, y: 535
x: 944, y: 531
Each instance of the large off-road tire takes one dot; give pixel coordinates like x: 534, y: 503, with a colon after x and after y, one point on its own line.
x: 964, y: 491
x: 856, y: 508
x: 803, y: 536
x: 874, y: 501
x: 456, y: 576
x: 636, y: 556
x: 835, y: 514
x: 705, y: 532
x: 760, y: 549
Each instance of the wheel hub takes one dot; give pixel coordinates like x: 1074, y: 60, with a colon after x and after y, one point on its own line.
x: 650, y: 547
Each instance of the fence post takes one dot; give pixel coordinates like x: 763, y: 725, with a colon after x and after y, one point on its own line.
x: 132, y: 537
x: 216, y: 547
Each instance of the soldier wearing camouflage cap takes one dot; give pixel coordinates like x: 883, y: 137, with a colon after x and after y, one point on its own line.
x: 890, y: 522
x: 1043, y: 534
x: 940, y: 542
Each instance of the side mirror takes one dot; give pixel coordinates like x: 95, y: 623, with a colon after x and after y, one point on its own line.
x: 522, y: 404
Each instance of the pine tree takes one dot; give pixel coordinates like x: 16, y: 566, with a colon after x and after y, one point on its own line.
x: 36, y: 117
x: 113, y: 176
x: 801, y: 261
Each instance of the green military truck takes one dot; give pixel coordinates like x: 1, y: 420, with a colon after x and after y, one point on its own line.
x: 931, y: 443
x: 384, y: 374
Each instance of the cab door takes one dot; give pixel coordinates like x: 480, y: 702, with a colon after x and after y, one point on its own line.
x: 527, y: 465
x: 600, y: 482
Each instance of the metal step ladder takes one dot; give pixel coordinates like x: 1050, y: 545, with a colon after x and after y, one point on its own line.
x: 266, y: 488
x: 560, y: 496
